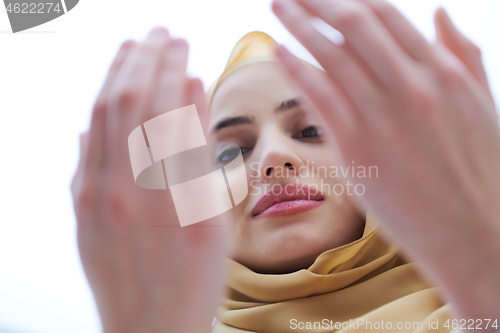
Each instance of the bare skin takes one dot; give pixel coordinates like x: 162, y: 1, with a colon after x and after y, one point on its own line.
x: 296, y: 136
x: 424, y: 114
x: 389, y: 98
x: 146, y: 272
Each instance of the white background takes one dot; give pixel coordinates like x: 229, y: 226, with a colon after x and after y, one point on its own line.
x: 49, y: 77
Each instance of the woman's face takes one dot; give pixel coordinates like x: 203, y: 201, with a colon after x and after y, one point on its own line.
x: 283, y: 142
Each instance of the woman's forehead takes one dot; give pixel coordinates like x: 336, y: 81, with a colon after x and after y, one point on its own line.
x: 256, y: 85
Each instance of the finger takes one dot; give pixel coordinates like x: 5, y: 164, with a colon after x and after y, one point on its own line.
x: 338, y: 61
x: 368, y: 36
x: 128, y: 96
x: 77, y: 178
x: 170, y: 93
x: 84, y: 144
x: 196, y: 96
x: 401, y: 29
x: 321, y: 91
x: 448, y: 35
x: 97, y: 123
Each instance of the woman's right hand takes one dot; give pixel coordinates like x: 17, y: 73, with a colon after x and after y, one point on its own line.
x: 146, y: 272
x: 424, y: 116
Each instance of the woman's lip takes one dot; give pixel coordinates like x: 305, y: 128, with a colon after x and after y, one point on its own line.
x: 289, y: 207
x: 305, y: 196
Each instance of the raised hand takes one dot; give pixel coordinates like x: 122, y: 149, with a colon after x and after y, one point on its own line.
x: 424, y: 115
x: 147, y: 273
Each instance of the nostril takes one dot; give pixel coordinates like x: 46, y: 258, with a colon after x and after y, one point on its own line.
x: 268, y: 172
x: 288, y: 165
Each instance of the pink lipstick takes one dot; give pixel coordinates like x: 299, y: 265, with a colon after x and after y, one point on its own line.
x: 291, y: 199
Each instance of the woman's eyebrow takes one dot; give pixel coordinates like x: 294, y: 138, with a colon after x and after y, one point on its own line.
x: 287, y: 104
x: 240, y: 120
x: 232, y: 121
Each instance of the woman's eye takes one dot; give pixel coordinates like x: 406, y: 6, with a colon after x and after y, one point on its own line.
x: 308, y: 132
x: 230, y: 154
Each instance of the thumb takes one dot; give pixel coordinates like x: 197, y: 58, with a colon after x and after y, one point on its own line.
x: 196, y: 95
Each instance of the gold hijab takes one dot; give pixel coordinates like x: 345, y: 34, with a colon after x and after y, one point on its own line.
x: 363, y: 286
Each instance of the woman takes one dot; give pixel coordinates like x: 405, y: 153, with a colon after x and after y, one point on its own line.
x: 374, y: 106
x: 308, y: 252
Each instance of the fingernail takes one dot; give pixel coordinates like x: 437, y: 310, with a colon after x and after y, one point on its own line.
x: 196, y: 87
x: 158, y: 31
x: 177, y: 44
x: 448, y: 18
x: 278, y: 6
x: 127, y: 44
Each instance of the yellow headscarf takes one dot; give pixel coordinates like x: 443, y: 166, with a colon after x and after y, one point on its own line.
x: 363, y: 286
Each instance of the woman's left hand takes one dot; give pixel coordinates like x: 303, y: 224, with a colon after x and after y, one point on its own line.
x: 424, y: 116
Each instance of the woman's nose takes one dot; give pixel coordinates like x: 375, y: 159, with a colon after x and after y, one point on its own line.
x: 279, y: 164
